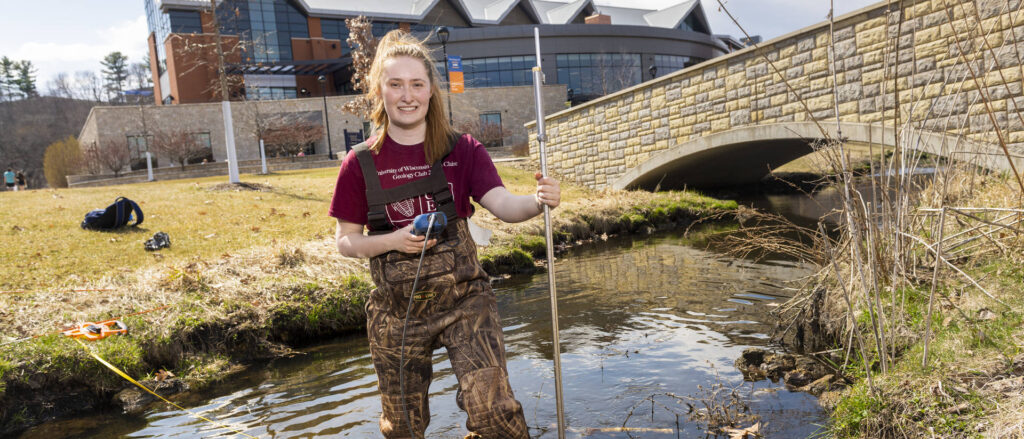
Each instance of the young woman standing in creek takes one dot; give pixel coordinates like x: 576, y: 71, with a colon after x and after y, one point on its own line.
x: 417, y: 164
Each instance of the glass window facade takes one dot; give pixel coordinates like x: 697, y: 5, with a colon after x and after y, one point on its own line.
x: 669, y: 63
x: 380, y: 28
x: 693, y: 25
x: 337, y: 30
x: 590, y: 75
x: 266, y: 26
x: 160, y: 24
x: 270, y: 93
x: 427, y: 27
x: 185, y: 22
x: 334, y: 29
x: 499, y: 71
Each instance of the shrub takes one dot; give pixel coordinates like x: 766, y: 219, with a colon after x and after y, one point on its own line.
x: 62, y: 158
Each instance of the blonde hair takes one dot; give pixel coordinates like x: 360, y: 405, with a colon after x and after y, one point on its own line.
x: 439, y: 131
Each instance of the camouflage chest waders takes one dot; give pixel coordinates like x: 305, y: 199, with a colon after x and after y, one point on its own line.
x: 453, y: 307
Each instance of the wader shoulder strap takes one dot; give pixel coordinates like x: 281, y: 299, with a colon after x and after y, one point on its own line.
x: 377, y: 198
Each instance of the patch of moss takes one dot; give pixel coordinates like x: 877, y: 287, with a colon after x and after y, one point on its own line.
x: 533, y: 244
x: 507, y: 259
x: 203, y: 369
x: 633, y: 220
x: 314, y: 311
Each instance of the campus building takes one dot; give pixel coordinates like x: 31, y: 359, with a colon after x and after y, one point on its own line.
x: 278, y: 49
x: 288, y: 64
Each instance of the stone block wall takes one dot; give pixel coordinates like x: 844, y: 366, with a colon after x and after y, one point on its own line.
x: 515, y: 104
x: 946, y: 63
x: 110, y: 124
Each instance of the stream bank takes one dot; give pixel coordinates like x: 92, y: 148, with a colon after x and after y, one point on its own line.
x: 200, y: 321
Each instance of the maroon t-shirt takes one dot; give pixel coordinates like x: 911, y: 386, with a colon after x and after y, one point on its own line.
x: 468, y: 169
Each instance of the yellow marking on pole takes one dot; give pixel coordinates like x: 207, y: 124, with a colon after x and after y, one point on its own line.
x: 131, y: 380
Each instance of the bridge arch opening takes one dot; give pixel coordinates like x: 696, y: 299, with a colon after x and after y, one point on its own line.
x: 745, y: 155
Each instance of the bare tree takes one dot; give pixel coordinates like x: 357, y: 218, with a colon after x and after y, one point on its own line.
x: 61, y: 86
x: 364, y: 48
x: 178, y: 145
x: 112, y: 155
x: 139, y: 75
x: 89, y: 86
x: 487, y: 133
x: 288, y: 135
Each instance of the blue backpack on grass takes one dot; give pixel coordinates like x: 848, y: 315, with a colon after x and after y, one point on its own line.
x: 115, y: 216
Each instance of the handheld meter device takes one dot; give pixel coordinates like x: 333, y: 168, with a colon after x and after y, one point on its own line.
x: 422, y: 222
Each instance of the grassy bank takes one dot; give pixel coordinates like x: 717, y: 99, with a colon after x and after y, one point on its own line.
x: 249, y: 275
x: 881, y: 305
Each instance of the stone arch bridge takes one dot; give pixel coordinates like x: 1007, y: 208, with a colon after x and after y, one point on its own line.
x: 952, y: 66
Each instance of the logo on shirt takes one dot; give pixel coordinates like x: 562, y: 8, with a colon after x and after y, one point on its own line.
x: 405, y: 207
x: 401, y: 213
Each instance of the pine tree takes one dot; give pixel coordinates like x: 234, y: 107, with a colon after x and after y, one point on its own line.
x: 26, y: 80
x: 7, y: 79
x: 115, y: 73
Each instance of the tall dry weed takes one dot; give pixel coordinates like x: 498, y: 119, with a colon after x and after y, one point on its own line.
x: 901, y: 234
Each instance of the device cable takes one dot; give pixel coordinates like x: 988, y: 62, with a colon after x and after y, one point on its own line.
x: 405, y: 325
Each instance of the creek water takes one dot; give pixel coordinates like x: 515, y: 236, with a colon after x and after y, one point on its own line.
x: 647, y: 323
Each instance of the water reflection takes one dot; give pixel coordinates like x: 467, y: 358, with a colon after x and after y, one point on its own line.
x: 638, y: 318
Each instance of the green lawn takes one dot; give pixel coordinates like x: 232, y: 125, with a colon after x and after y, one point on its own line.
x: 45, y: 248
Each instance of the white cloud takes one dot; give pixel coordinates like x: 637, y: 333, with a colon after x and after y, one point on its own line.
x: 128, y: 37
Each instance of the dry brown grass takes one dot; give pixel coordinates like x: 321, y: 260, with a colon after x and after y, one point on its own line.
x: 237, y: 265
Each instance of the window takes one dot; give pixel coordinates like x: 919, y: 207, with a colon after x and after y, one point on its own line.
x: 202, y: 140
x: 270, y: 93
x: 335, y: 29
x: 185, y: 22
x: 160, y: 24
x: 381, y: 28
x: 590, y: 75
x: 490, y: 129
x: 138, y: 145
x: 265, y: 26
x: 693, y: 25
x: 502, y: 71
x: 669, y: 63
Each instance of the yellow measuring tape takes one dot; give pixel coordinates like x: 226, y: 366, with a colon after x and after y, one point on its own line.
x: 125, y: 376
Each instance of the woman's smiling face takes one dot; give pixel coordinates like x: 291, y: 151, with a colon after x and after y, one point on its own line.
x: 405, y: 88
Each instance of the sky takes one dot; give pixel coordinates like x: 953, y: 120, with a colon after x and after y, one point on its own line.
x: 73, y: 35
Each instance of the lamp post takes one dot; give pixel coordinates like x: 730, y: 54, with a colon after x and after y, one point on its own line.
x: 442, y: 35
x: 653, y: 70
x: 327, y: 117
